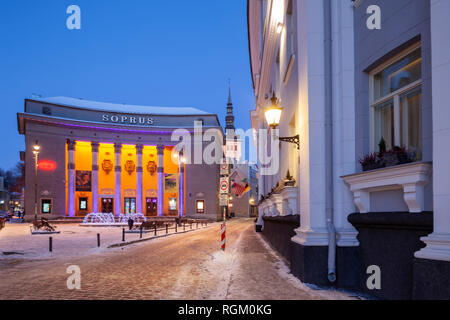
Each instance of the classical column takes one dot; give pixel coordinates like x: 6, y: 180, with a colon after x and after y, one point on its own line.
x: 118, y: 183
x: 181, y: 188
x: 160, y: 149
x: 438, y: 242
x: 95, y: 146
x: 71, y: 177
x: 139, y: 148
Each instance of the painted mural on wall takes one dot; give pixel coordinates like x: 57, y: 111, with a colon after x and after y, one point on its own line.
x: 83, y: 180
x: 170, y: 183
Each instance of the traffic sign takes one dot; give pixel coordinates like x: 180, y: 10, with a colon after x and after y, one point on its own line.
x: 223, y: 200
x: 224, y: 185
x: 224, y: 168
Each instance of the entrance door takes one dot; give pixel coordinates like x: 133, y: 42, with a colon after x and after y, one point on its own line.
x: 152, y: 206
x: 130, y: 205
x: 107, y: 205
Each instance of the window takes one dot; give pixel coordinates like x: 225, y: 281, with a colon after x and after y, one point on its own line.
x: 396, y: 102
x: 200, y: 206
x: 172, y: 204
x: 83, y: 203
x: 46, y: 206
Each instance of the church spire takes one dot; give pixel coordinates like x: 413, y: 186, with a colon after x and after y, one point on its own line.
x: 229, y: 119
x: 229, y: 94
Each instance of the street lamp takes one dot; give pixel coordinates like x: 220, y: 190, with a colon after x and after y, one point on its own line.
x: 36, y: 149
x: 181, y: 161
x: 273, y: 117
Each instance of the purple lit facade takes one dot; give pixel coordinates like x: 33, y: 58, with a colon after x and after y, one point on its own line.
x: 108, y: 161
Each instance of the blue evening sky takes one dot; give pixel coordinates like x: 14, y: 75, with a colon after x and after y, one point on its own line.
x: 176, y: 53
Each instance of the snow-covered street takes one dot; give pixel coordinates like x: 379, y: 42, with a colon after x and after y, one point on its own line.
x: 182, y: 266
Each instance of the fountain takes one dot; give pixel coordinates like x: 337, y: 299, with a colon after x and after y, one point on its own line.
x: 136, y: 217
x: 99, y: 219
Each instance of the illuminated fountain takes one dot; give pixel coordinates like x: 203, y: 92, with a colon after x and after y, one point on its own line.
x: 136, y: 217
x: 99, y: 218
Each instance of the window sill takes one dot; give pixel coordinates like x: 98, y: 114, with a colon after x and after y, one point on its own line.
x: 411, y: 177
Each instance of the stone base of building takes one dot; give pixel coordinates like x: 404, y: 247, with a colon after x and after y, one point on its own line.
x: 310, y: 265
x: 278, y: 231
x: 431, y: 279
x: 389, y: 241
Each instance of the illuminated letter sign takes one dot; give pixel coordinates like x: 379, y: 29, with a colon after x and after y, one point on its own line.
x: 122, y: 119
x: 47, y: 165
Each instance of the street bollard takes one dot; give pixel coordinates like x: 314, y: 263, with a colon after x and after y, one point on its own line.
x: 155, y: 231
x: 50, y: 244
x: 222, y: 236
x: 176, y: 227
x: 184, y: 226
x: 123, y: 234
x: 98, y: 240
x: 140, y: 233
x: 167, y: 228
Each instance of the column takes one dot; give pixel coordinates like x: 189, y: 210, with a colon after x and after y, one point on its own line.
x: 438, y: 242
x: 71, y: 177
x: 118, y: 181
x: 344, y: 121
x: 160, y: 149
x: 181, y: 187
x: 312, y: 115
x: 95, y: 146
x: 139, y: 170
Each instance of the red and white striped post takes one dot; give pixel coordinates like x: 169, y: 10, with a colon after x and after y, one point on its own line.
x: 223, y: 240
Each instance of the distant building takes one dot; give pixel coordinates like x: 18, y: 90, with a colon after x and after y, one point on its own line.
x: 114, y: 158
x: 4, y: 196
x: 245, y: 205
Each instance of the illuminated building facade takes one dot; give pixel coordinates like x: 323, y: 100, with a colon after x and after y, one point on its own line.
x: 114, y: 158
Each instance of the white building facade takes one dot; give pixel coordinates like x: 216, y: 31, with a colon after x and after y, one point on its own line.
x: 355, y: 93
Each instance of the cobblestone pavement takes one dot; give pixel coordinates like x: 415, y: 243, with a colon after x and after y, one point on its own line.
x: 183, y: 266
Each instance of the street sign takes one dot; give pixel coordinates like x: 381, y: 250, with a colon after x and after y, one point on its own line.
x: 224, y: 185
x: 224, y: 168
x: 223, y: 200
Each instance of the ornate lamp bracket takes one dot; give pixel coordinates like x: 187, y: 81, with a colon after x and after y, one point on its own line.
x: 294, y: 139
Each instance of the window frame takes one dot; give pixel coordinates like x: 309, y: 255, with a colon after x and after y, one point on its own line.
x: 394, y: 96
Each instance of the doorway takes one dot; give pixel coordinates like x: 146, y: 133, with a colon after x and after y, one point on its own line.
x: 151, y: 206
x: 130, y: 205
x: 107, y: 205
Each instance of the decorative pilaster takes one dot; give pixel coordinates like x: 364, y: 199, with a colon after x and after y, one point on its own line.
x: 71, y: 177
x: 160, y: 149
x: 95, y: 146
x: 139, y: 148
x: 118, y: 183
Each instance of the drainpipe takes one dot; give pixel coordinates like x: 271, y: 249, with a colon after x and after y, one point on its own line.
x: 329, y: 143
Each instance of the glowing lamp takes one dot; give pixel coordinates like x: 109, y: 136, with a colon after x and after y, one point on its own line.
x: 273, y: 113
x: 47, y: 165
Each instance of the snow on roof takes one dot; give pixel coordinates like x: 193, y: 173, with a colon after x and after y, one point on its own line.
x: 122, y: 108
